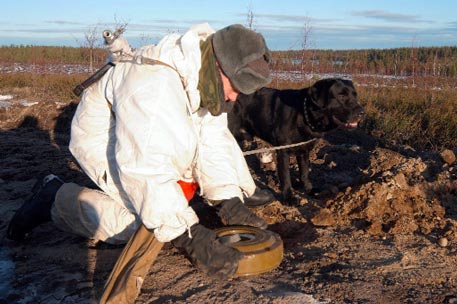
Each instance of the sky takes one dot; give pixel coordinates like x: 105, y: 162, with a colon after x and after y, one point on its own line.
x: 285, y: 24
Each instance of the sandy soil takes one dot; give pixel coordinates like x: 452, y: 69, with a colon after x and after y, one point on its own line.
x: 381, y: 229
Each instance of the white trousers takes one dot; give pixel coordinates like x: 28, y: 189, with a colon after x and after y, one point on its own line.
x: 92, y: 214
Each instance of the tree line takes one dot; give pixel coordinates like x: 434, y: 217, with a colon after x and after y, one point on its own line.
x: 419, y: 61
x: 402, y: 62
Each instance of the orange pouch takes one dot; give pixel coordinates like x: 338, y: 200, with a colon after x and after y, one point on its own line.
x: 188, y: 189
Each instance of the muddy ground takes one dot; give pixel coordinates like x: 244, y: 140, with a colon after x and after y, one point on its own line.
x: 381, y: 229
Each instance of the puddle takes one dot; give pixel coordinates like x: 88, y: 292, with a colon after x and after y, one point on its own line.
x: 6, y: 270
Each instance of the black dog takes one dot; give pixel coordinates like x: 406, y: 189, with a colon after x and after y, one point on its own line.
x: 283, y: 117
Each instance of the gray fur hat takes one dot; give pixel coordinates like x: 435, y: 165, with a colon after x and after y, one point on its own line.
x: 243, y: 56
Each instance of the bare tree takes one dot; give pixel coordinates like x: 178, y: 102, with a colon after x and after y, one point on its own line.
x: 91, y: 41
x: 395, y: 63
x: 250, y: 18
x: 305, y: 45
x: 413, y: 60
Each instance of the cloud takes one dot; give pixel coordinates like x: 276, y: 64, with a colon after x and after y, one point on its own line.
x: 181, y: 22
x: 389, y: 17
x: 452, y: 25
x: 48, y: 30
x: 62, y: 22
x: 289, y: 18
x: 340, y: 36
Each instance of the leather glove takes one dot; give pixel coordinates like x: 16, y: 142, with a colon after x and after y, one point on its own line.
x: 234, y: 212
x: 207, y: 253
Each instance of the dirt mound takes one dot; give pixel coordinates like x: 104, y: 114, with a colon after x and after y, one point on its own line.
x: 397, y: 196
x: 375, y: 189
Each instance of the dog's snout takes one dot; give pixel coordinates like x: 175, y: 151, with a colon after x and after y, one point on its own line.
x: 360, y: 111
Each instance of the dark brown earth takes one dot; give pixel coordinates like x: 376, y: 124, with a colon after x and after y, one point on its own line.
x: 381, y: 229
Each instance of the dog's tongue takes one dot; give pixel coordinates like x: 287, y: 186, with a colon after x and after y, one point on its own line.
x: 351, y: 124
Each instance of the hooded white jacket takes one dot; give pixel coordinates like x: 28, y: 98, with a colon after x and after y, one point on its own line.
x: 140, y: 129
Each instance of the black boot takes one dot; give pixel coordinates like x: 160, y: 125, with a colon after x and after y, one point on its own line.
x: 36, y: 210
x: 260, y: 198
x: 234, y: 212
x: 207, y: 253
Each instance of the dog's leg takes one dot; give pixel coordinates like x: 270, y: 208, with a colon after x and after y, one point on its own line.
x: 303, y: 166
x: 284, y: 176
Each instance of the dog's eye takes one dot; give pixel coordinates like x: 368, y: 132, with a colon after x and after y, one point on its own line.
x: 343, y: 97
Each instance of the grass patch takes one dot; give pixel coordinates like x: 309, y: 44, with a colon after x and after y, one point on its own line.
x: 422, y: 118
x: 36, y: 87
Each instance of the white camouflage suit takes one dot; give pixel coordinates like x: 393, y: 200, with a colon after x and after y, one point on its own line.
x: 138, y: 131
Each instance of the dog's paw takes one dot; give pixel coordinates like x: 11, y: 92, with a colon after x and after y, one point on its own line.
x: 292, y: 202
x: 289, y: 199
x: 307, y: 186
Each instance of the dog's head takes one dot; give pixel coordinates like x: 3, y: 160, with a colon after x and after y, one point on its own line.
x: 332, y: 103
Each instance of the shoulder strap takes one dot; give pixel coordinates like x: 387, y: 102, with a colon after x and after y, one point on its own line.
x: 146, y: 60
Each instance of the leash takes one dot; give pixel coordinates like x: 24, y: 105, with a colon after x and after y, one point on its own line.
x: 263, y: 150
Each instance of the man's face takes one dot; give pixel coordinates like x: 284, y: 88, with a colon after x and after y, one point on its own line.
x: 230, y: 93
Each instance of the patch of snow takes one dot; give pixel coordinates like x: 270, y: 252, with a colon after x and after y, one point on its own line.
x: 5, y: 104
x: 6, y: 97
x: 8, y: 100
x: 27, y: 103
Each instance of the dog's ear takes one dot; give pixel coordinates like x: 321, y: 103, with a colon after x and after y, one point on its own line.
x: 348, y: 83
x: 312, y: 92
x: 318, y: 94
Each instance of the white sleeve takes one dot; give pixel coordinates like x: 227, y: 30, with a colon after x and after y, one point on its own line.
x: 224, y: 171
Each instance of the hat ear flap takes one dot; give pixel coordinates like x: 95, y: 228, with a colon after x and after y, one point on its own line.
x: 210, y: 82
